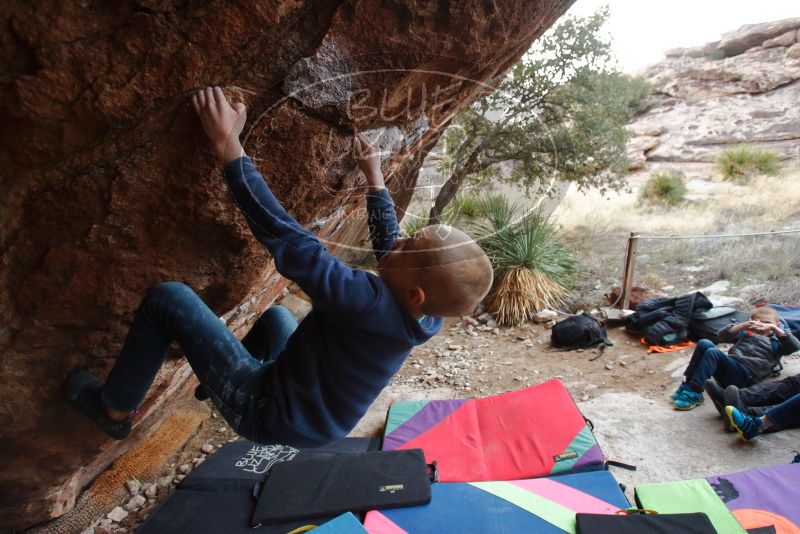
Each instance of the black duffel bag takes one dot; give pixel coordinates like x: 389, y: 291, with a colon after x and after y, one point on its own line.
x: 707, y: 324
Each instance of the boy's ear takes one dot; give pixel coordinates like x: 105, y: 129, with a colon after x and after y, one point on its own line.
x: 416, y: 296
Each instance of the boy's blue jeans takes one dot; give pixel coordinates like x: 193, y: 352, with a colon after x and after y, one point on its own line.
x: 786, y: 414
x: 707, y: 361
x: 231, y: 370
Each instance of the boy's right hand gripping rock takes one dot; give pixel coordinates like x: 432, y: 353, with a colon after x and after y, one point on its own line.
x: 222, y: 122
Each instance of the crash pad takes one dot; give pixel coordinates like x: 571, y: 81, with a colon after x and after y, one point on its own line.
x: 790, y: 315
x: 344, y: 524
x: 542, y: 505
x: 217, y: 496
x: 688, y: 496
x: 532, y: 432
x: 763, y: 497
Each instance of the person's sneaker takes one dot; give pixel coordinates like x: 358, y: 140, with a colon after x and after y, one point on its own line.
x: 83, y: 390
x: 687, y: 399
x: 715, y: 393
x: 683, y: 387
x: 747, y: 426
x: 731, y: 397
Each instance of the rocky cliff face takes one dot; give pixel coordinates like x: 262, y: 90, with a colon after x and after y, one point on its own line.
x: 743, y: 88
x: 108, y: 185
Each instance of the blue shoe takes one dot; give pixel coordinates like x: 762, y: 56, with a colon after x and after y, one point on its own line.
x: 747, y: 426
x: 683, y: 387
x: 687, y: 399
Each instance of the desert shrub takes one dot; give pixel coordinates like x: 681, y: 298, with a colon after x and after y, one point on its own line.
x: 464, y: 208
x: 667, y: 186
x: 413, y: 222
x: 465, y: 205
x: 741, y: 162
x: 533, y: 269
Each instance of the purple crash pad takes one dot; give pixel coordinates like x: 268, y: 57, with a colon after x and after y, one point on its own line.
x: 770, y: 489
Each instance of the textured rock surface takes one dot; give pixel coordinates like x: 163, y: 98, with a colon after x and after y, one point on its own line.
x: 108, y: 186
x: 750, y: 35
x: 701, y: 105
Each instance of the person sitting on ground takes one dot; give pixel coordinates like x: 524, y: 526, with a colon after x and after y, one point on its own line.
x: 758, y: 345
x: 766, y: 407
x: 306, y: 384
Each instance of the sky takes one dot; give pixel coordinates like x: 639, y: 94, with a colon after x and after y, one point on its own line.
x: 642, y: 29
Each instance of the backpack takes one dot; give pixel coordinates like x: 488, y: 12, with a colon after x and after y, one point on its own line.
x: 707, y: 324
x: 579, y: 332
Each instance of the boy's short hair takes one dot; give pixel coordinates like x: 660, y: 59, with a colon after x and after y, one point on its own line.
x: 456, y: 288
x: 766, y: 313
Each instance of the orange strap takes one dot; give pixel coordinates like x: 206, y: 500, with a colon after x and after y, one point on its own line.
x: 669, y: 348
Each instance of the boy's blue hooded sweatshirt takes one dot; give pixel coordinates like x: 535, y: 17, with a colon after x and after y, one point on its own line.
x: 357, y: 336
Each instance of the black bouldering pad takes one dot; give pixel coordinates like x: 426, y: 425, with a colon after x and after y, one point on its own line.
x: 218, y: 496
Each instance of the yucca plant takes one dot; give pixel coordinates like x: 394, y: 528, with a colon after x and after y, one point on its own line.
x: 741, y: 162
x: 532, y: 267
x: 667, y: 186
x: 464, y: 208
x: 413, y: 222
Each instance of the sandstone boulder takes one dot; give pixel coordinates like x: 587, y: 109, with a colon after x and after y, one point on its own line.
x: 692, y: 79
x: 786, y: 39
x: 698, y: 51
x: 750, y: 35
x: 108, y: 186
x: 637, y: 150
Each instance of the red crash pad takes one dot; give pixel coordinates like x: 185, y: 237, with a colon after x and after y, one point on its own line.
x: 528, y: 433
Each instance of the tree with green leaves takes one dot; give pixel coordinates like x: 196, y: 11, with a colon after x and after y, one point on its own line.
x: 559, y: 114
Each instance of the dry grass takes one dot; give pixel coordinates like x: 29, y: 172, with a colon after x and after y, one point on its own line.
x: 773, y: 258
x: 520, y: 293
x: 760, y: 204
x: 759, y: 268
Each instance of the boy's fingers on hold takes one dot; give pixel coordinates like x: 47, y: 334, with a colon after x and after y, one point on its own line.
x: 209, y: 92
x: 365, y: 142
x: 219, y: 95
x: 201, y: 98
x: 195, y: 103
x: 359, y: 149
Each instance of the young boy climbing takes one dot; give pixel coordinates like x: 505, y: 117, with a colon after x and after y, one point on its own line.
x: 318, y: 378
x: 758, y: 346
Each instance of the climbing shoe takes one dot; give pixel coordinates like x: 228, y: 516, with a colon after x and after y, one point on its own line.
x: 83, y: 391
x: 683, y: 387
x: 687, y: 399
x: 747, y: 426
x: 201, y: 393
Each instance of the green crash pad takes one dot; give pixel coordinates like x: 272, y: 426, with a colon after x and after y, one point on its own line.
x: 687, y: 496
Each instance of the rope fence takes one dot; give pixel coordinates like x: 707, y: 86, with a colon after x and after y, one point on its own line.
x: 633, y: 242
